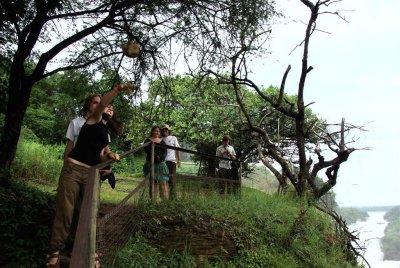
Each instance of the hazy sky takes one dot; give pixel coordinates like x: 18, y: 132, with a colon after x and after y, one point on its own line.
x: 356, y: 76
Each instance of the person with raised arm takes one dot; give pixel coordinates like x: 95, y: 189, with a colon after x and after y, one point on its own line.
x: 92, y: 140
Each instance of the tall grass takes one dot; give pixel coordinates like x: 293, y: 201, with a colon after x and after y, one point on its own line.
x: 37, y: 162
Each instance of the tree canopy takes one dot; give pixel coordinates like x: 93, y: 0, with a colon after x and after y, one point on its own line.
x: 215, y: 38
x: 56, y: 35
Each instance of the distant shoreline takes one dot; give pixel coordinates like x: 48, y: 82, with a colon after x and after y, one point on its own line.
x: 372, y: 208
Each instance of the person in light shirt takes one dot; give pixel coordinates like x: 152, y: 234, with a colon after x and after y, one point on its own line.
x: 225, y: 169
x: 87, y: 152
x: 173, y: 157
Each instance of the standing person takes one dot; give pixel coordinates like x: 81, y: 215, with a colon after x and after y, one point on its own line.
x: 92, y: 140
x: 76, y: 124
x: 224, y: 171
x: 72, y: 134
x: 173, y: 157
x: 115, y: 128
x: 160, y: 168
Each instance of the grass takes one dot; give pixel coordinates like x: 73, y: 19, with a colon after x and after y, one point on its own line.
x: 266, y: 230
x: 37, y: 162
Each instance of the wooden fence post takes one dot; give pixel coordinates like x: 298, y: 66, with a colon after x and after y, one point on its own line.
x: 84, y: 251
x: 152, y: 184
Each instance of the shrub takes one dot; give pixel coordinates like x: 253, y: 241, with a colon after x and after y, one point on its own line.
x: 26, y: 215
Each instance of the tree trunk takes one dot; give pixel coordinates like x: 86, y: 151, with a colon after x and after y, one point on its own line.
x: 20, y: 87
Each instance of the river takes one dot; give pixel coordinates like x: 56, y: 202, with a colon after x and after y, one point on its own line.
x: 370, y: 233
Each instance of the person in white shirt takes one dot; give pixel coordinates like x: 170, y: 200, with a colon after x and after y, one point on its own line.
x: 173, y: 157
x: 224, y: 169
x: 74, y: 128
x: 88, y: 151
x: 76, y: 124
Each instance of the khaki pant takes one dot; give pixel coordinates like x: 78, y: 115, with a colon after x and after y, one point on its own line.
x: 72, y: 182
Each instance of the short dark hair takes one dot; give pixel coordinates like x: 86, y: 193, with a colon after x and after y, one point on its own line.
x: 169, y: 131
x: 226, y: 138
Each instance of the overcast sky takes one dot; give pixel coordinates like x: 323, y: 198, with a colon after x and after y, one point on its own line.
x: 356, y: 76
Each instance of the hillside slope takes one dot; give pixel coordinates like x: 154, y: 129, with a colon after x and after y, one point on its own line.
x: 253, y: 230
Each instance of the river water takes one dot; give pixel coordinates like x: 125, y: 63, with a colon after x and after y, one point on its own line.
x: 370, y: 233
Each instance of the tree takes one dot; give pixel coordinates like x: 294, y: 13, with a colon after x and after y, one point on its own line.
x: 212, y: 109
x: 4, y: 74
x: 310, y: 136
x: 199, y: 115
x: 58, y: 99
x: 200, y: 112
x: 89, y: 35
x: 54, y: 102
x: 173, y: 100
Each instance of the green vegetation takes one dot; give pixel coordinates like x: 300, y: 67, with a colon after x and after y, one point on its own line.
x: 351, y: 215
x: 26, y: 216
x: 43, y: 100
x: 37, y: 162
x: 261, y: 178
x: 265, y: 230
x: 98, y: 50
x: 393, y: 214
x: 391, y: 240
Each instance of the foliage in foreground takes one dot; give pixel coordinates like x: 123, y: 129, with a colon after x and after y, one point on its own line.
x: 390, y: 243
x: 38, y: 162
x: 268, y: 231
x: 26, y: 215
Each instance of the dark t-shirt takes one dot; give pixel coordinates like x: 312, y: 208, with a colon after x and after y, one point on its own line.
x: 159, y: 152
x: 91, y: 140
